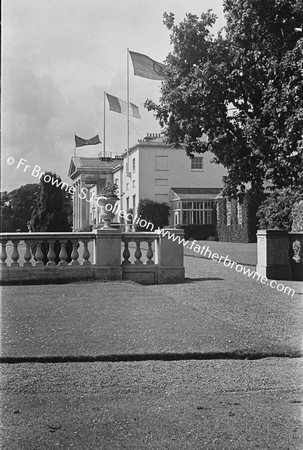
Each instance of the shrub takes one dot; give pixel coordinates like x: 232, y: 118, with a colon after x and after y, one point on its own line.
x: 276, y: 211
x: 198, y: 232
x: 297, y: 217
x: 154, y: 212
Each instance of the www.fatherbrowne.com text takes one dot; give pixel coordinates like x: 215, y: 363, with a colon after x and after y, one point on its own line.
x: 207, y: 253
x: 204, y: 251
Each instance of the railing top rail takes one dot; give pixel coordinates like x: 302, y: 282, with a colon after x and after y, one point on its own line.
x: 48, y: 235
x: 140, y: 234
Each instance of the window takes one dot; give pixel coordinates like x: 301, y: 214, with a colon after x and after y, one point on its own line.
x: 127, y: 186
x: 161, y: 162
x: 127, y: 204
x: 116, y: 181
x: 134, y: 183
x: 228, y: 212
x: 197, y: 163
x: 239, y: 212
x: 161, y: 182
x: 134, y: 202
x: 193, y: 212
x: 134, y: 165
x: 176, y: 205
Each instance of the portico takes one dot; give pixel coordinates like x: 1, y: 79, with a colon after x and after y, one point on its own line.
x: 89, y: 175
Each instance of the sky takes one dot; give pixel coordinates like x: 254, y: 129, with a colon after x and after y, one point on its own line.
x: 58, y: 58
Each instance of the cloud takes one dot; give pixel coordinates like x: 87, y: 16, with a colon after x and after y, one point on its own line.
x: 30, y: 102
x: 58, y: 58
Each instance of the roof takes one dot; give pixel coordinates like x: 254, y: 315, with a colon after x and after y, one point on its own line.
x: 195, y: 193
x: 90, y: 165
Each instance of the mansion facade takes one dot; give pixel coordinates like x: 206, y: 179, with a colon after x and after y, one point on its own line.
x: 151, y: 170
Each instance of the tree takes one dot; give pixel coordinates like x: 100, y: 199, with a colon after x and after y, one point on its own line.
x: 6, y: 212
x: 53, y: 207
x: 243, y: 88
x: 17, y: 207
x: 68, y: 208
x: 277, y: 210
x: 53, y: 212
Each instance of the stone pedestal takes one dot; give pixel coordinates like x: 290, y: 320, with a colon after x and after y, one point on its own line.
x: 107, y: 254
x: 171, y: 252
x: 272, y: 254
x: 170, y: 256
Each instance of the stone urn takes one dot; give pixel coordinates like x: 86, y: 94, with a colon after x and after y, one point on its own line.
x: 107, y: 201
x: 107, y: 206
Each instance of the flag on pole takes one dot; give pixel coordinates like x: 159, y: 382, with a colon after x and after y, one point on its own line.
x: 146, y: 67
x: 120, y: 106
x: 80, y: 142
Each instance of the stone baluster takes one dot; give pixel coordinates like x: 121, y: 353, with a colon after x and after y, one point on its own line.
x: 15, y: 254
x: 138, y: 252
x: 63, y: 254
x: 39, y: 254
x: 149, y: 253
x: 126, y: 255
x: 27, y: 254
x: 51, y: 255
x: 75, y: 254
x: 86, y: 254
x: 3, y: 256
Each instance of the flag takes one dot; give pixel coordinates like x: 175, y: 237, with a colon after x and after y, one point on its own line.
x: 146, y: 67
x: 120, y: 106
x: 93, y: 141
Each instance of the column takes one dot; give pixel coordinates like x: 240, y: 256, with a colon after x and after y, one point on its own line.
x: 75, y: 196
x: 85, y: 212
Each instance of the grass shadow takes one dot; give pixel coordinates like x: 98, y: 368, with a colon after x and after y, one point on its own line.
x: 194, y: 280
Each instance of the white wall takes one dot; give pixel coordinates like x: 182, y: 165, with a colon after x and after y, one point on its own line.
x: 178, y: 173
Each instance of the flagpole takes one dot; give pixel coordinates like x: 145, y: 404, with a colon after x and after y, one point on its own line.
x: 104, y: 124
x: 75, y: 148
x: 127, y: 112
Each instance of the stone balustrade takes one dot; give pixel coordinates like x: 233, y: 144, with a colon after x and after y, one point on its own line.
x: 101, y: 254
x: 154, y: 259
x: 149, y: 249
x: 45, y: 256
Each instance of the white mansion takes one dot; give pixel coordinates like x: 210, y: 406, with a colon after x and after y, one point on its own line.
x: 152, y: 170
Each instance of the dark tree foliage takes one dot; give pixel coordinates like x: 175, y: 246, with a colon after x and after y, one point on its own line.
x: 17, y: 207
x: 243, y: 88
x: 5, y: 212
x: 52, y: 209
x: 68, y: 208
x: 276, y: 212
x: 153, y: 212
